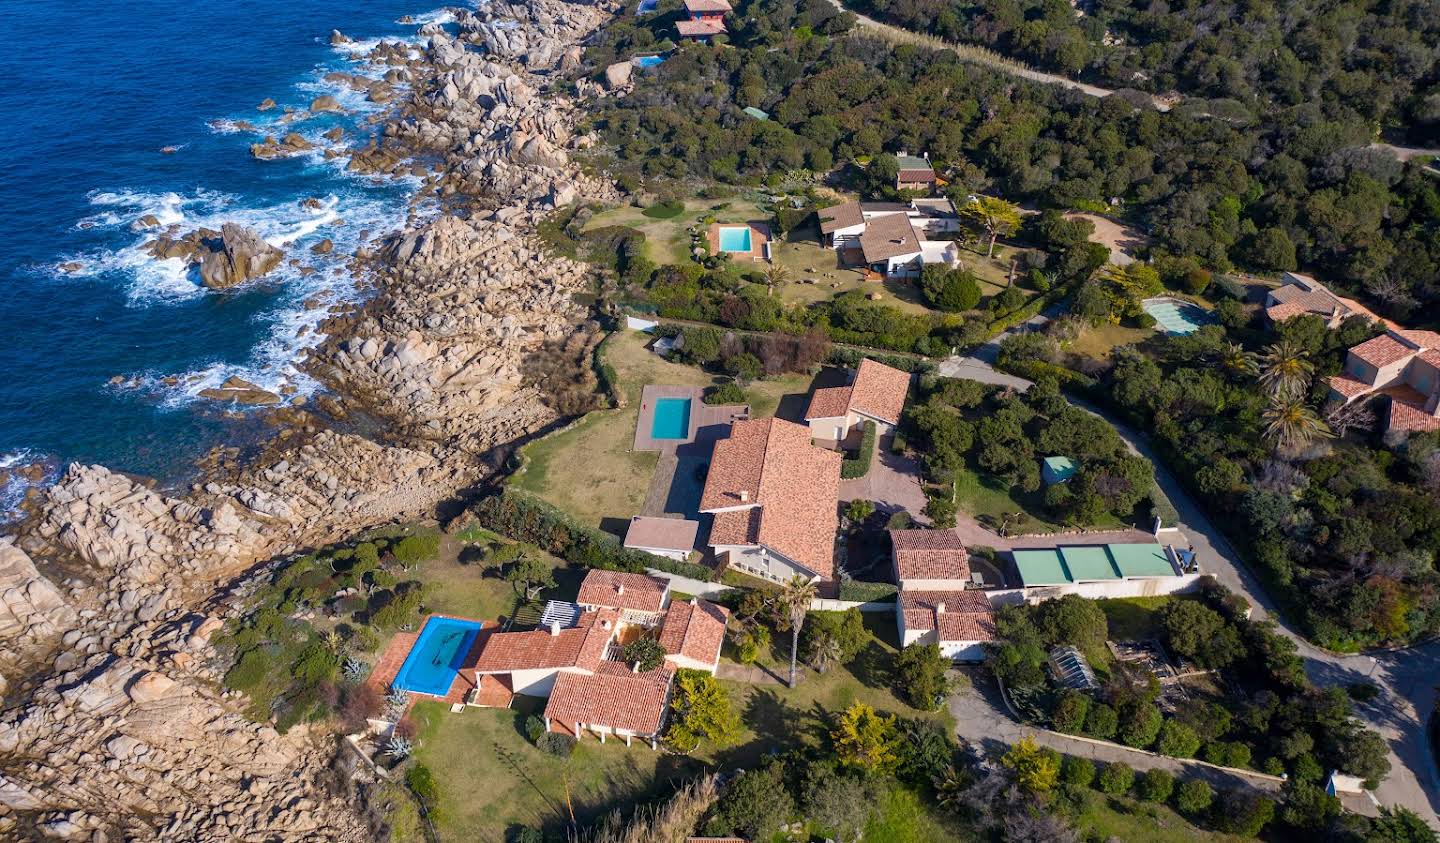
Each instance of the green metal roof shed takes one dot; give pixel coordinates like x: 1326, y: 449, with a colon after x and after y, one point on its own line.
x: 1040, y: 567
x: 1141, y: 560
x: 755, y: 112
x: 1086, y: 563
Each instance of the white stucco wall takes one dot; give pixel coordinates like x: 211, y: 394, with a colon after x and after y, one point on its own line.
x: 539, y: 682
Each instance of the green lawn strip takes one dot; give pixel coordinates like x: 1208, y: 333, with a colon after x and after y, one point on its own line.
x: 1134, y: 618
x: 492, y: 778
x: 1123, y: 818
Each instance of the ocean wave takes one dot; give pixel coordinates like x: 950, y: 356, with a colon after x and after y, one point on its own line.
x: 14, y: 486
x: 441, y: 16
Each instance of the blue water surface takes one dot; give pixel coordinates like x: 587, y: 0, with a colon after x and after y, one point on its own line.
x: 672, y: 419
x: 89, y: 95
x: 735, y: 239
x: 437, y: 656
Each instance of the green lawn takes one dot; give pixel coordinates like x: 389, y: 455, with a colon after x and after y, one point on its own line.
x: 491, y: 778
x: 589, y: 469
x: 1122, y: 818
x: 1098, y: 342
x: 666, y: 238
x: 460, y: 585
x: 1134, y: 618
x: 985, y: 496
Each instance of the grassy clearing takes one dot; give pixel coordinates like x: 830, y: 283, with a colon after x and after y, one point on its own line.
x: 492, y: 779
x: 666, y: 240
x: 1098, y: 342
x: 984, y: 496
x: 589, y: 469
x: 458, y: 584
x: 901, y: 817
x: 1134, y: 618
x: 1121, y: 818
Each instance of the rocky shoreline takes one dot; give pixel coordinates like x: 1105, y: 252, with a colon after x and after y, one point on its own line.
x: 114, y: 725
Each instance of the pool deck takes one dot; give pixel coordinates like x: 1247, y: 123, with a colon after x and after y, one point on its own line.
x: 702, y: 415
x: 1192, y: 316
x: 392, y: 658
x: 759, y: 236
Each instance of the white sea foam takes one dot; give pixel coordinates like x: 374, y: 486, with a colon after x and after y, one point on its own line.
x: 13, y: 487
x: 440, y: 16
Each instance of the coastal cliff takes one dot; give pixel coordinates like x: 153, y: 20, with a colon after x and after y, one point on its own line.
x: 114, y: 726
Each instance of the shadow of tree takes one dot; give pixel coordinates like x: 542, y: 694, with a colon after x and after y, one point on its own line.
x: 873, y: 666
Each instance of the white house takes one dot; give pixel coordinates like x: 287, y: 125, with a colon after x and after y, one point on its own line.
x: 841, y: 225
x: 877, y: 393
x: 960, y: 622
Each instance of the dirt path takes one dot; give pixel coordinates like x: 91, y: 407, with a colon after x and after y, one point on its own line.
x: 1122, y: 240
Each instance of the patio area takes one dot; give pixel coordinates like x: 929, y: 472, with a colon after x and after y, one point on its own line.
x: 660, y: 427
x: 757, y: 237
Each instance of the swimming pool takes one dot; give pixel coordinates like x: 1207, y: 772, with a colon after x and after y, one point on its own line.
x: 672, y: 419
x: 437, y: 656
x: 735, y: 238
x: 647, y: 61
x: 1177, y: 317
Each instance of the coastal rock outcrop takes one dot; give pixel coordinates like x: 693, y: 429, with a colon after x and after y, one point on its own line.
x: 31, y: 609
x: 239, y: 255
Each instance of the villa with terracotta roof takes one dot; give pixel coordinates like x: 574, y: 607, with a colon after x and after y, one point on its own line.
x: 1402, y: 364
x: 774, y: 498
x: 614, y: 700
x: 960, y: 622
x: 929, y: 560
x: 1301, y: 294
x: 877, y: 393
x: 692, y: 634
x: 532, y: 660
x: 639, y: 598
x: 707, y: 19
x: 892, y: 239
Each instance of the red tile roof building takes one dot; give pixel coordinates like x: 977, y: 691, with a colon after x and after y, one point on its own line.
x: 1301, y: 294
x: 878, y: 393
x: 639, y: 596
x: 929, y: 559
x: 960, y: 622
x: 1405, y: 366
x: 614, y: 699
x: 534, y: 658
x: 774, y: 497
x: 692, y: 634
x: 707, y: 18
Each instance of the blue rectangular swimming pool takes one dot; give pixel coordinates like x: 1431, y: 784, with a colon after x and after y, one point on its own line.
x: 672, y: 419
x: 735, y: 239
x: 437, y: 656
x: 647, y: 61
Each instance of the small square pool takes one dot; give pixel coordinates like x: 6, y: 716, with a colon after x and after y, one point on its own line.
x: 437, y: 656
x: 735, y: 238
x: 672, y: 419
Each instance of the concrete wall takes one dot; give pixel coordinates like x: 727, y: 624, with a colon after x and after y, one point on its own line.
x: 932, y: 585
x: 771, y: 566
x: 960, y: 651
x: 699, y: 588
x: 1138, y: 587
x: 695, y: 664
x: 825, y: 427
x: 539, y: 682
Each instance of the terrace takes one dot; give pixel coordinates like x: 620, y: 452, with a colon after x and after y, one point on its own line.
x: 749, y: 240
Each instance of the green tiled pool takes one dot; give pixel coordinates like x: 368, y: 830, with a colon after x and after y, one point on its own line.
x: 1177, y: 317
x: 672, y: 419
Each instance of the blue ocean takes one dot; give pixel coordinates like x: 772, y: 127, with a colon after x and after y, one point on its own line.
x: 119, y: 110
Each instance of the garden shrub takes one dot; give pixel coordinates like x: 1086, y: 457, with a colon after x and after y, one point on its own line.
x: 1193, y: 797
x: 1070, y: 711
x: 534, y: 728
x: 1077, y: 771
x: 1101, y: 722
x: 417, y: 548
x: 422, y: 783
x: 866, y: 592
x: 1116, y: 779
x: 1155, y: 786
x: 725, y: 393
x: 1177, y: 740
x: 247, y: 673
x: 646, y: 651
x: 556, y: 744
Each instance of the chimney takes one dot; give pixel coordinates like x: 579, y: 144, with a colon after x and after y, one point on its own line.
x: 694, y: 601
x: 620, y: 589
x: 940, y: 608
x: 744, y: 495
x: 554, y: 627
x: 605, y: 624
x: 635, y: 668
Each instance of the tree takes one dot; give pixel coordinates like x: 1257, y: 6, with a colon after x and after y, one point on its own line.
x: 1036, y: 770
x: 859, y: 510
x: 921, y: 670
x: 530, y: 576
x: 1139, y: 724
x: 996, y: 216
x: 796, y: 597
x: 865, y: 739
x: 1290, y: 424
x: 756, y: 804
x: 1102, y: 722
x: 776, y: 275
x: 834, y: 637
x: 1200, y: 634
x: 701, y: 711
x: 1070, y: 711
x: 1244, y: 812
x: 1308, y: 808
x: 840, y: 803
x: 1177, y: 740
x: 1155, y: 786
x: 927, y: 750
x: 646, y: 652
x: 1071, y: 620
x: 1400, y: 825
x: 951, y: 290
x: 1079, y: 772
x: 1285, y: 370
x: 1117, y: 778
x: 1193, y: 797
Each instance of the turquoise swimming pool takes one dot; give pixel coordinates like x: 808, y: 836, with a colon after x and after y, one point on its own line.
x: 1177, y: 317
x: 437, y: 656
x: 647, y: 61
x: 735, y: 238
x: 672, y: 419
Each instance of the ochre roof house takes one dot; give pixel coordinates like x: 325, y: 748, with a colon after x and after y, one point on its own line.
x: 877, y: 393
x: 929, y: 560
x: 534, y: 659
x: 774, y: 497
x: 614, y: 700
x: 639, y: 598
x: 692, y: 634
x: 1301, y: 294
x: 707, y: 19
x: 1403, y: 365
x: 960, y: 622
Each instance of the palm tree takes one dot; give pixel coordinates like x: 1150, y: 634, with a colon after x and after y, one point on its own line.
x: 950, y: 787
x: 1285, y: 371
x: 1236, y: 360
x: 1291, y: 424
x: 824, y: 649
x: 796, y: 596
x: 776, y: 275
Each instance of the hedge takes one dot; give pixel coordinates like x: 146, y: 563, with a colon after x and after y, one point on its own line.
x: 852, y: 469
x: 525, y: 518
x: 1161, y: 506
x: 851, y: 357
x: 866, y: 592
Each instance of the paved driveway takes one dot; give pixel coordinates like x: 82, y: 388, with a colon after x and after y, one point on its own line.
x: 893, y: 483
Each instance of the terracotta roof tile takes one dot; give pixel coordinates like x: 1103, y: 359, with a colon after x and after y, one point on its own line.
x: 1285, y: 310
x: 613, y: 696
x: 930, y: 555
x: 620, y: 590
x: 1349, y: 387
x: 694, y: 28
x: 967, y: 615
x: 887, y: 237
x: 706, y: 6
x: 794, y: 485
x: 1421, y: 339
x: 694, y: 629
x: 1383, y: 350
x: 829, y: 402
x: 836, y: 217
x: 582, y: 646
x: 879, y: 391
